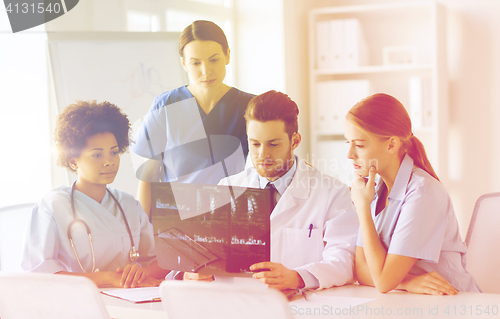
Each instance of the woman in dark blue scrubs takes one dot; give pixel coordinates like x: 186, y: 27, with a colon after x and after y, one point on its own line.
x: 195, y: 133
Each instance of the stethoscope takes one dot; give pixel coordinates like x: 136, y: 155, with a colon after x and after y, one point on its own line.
x: 133, y: 254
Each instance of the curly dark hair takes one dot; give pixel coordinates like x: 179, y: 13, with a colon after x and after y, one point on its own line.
x: 83, y: 119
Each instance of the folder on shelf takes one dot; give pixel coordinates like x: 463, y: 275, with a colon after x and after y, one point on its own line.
x: 427, y: 113
x: 420, y: 103
x: 340, y: 44
x: 415, y: 104
x: 336, y: 45
x: 322, y: 56
x: 325, y: 107
x: 334, y: 100
x: 354, y: 48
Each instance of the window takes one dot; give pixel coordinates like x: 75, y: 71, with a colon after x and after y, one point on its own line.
x: 175, y: 15
x: 144, y: 22
x: 24, y: 121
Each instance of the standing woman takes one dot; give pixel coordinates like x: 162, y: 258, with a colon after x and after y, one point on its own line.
x: 189, y: 131
x: 409, y: 235
x: 89, y: 229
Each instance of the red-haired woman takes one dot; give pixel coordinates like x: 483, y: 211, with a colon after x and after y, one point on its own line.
x: 409, y: 236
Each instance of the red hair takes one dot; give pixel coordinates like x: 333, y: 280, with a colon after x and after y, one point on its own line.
x: 383, y: 115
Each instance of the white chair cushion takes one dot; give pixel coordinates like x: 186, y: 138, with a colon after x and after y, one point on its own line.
x: 49, y: 296
x: 483, y: 243
x: 13, y: 226
x: 213, y: 300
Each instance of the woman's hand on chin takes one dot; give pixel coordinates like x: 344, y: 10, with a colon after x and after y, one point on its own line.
x: 363, y: 190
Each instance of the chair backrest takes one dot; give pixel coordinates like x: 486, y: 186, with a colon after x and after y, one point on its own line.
x: 213, y: 300
x: 13, y: 226
x: 34, y: 295
x: 483, y: 243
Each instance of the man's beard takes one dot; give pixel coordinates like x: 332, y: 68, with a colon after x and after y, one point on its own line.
x: 278, y: 169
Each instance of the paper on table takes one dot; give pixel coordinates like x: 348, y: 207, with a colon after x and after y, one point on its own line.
x: 137, y: 295
x: 331, y: 302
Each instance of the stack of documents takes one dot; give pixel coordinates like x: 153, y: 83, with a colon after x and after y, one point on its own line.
x: 340, y: 44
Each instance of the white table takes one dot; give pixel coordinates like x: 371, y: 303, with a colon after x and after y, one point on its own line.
x: 395, y: 304
x: 401, y: 304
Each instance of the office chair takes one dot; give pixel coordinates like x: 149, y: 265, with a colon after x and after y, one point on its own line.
x: 13, y: 226
x: 50, y: 296
x: 483, y: 243
x: 213, y: 300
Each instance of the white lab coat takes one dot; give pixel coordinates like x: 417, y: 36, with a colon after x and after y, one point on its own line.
x: 324, y: 202
x: 47, y: 247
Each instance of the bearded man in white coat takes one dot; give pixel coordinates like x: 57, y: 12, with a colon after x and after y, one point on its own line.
x: 313, y: 225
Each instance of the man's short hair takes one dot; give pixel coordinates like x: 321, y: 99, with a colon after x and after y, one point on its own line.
x: 274, y: 106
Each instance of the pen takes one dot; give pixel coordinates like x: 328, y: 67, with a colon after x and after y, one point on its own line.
x: 310, y: 229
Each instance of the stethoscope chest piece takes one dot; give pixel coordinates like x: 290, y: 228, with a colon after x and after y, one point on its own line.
x: 133, y: 253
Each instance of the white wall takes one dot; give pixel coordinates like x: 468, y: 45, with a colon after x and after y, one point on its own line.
x: 260, y: 45
x: 297, y: 65
x: 474, y: 70
x: 473, y: 31
x: 24, y: 155
x: 271, y: 54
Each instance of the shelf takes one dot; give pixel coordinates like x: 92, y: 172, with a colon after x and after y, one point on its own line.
x: 374, y: 8
x: 375, y: 69
x: 421, y: 86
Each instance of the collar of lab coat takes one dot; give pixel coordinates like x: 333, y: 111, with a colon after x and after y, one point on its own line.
x: 299, y: 188
x: 402, y: 179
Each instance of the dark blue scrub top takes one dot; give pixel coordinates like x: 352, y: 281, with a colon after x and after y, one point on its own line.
x: 174, y: 132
